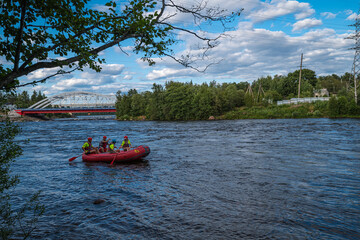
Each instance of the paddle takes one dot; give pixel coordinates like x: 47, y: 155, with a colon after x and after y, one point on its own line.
x: 113, y: 159
x: 73, y: 158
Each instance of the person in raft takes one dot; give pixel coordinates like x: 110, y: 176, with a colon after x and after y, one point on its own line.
x: 103, y: 144
x: 89, y: 148
x: 126, y: 145
x: 112, y: 147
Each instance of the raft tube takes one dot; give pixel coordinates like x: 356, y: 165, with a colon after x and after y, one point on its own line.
x: 129, y: 156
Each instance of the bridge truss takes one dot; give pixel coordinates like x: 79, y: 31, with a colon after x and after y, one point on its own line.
x: 77, y: 100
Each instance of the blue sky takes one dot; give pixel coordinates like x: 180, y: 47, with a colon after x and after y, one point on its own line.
x: 267, y: 39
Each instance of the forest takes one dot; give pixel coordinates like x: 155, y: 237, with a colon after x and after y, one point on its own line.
x: 22, y: 99
x: 188, y: 101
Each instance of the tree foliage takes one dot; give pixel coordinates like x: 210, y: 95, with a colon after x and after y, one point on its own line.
x: 23, y: 99
x: 180, y: 101
x: 12, y: 221
x: 188, y: 101
x: 40, y: 34
x: 286, y: 87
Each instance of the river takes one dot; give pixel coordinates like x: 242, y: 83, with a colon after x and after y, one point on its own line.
x: 238, y: 179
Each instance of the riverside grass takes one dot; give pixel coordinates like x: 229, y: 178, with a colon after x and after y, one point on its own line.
x: 319, y: 109
x: 305, y: 110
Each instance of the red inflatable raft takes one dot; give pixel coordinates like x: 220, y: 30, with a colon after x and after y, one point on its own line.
x: 132, y: 155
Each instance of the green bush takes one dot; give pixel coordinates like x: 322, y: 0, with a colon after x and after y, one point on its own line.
x: 295, y: 114
x: 333, y: 107
x: 321, y: 106
x: 249, y: 100
x: 342, y: 105
x: 353, y: 109
x: 317, y: 113
x: 124, y: 117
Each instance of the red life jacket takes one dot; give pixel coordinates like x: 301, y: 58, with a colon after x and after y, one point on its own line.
x: 126, y: 143
x: 103, y: 143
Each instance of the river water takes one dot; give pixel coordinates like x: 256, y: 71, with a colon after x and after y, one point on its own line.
x: 239, y: 179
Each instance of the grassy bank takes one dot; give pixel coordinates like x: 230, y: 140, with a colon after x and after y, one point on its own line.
x: 328, y: 109
x: 306, y: 110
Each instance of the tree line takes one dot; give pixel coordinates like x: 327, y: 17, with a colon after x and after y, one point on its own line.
x: 286, y: 87
x: 22, y: 99
x: 188, y: 101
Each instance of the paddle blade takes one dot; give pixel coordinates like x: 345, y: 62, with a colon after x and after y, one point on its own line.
x: 73, y: 158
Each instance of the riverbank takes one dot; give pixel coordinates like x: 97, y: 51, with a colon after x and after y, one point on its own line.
x: 305, y: 110
x: 277, y: 112
x: 15, y: 117
x: 293, y: 111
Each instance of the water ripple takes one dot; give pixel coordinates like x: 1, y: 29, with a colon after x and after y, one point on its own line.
x: 244, y: 179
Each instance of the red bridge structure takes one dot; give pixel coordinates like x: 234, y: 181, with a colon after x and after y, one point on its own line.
x: 72, y: 102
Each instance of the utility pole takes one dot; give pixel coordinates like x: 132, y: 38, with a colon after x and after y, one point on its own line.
x: 300, y: 75
x: 356, y: 64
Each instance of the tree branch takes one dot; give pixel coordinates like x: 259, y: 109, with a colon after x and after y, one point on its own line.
x: 185, y: 63
x: 19, y: 35
x: 191, y: 32
x: 13, y: 75
x: 60, y: 72
x: 69, y: 35
x: 51, y: 48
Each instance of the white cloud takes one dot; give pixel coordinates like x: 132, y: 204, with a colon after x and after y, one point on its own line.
x: 42, y: 73
x: 250, y: 52
x: 278, y: 8
x: 253, y: 52
x: 101, y: 8
x: 71, y: 83
x: 328, y: 15
x: 306, y: 24
x: 128, y: 77
x: 167, y: 73
x: 80, y: 81
x: 112, y: 69
x: 353, y: 17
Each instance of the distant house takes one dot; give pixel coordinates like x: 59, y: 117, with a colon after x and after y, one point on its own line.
x: 321, y: 93
x: 8, y: 106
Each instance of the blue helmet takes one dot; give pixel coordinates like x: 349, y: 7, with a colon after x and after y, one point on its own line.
x: 114, y: 140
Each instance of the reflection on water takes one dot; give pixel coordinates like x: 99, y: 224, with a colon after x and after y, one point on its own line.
x: 244, y: 179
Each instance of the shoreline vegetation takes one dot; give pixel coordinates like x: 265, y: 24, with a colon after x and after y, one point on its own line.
x: 179, y: 101
x: 293, y: 111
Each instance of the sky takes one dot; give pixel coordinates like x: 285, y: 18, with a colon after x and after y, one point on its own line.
x: 266, y: 40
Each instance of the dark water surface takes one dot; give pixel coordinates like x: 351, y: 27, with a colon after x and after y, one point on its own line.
x: 243, y: 179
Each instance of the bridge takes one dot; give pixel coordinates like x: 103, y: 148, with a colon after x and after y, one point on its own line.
x: 72, y: 102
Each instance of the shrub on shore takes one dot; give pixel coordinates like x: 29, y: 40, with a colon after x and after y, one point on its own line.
x: 333, y: 108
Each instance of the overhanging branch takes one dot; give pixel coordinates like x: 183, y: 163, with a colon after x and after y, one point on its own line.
x: 60, y: 72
